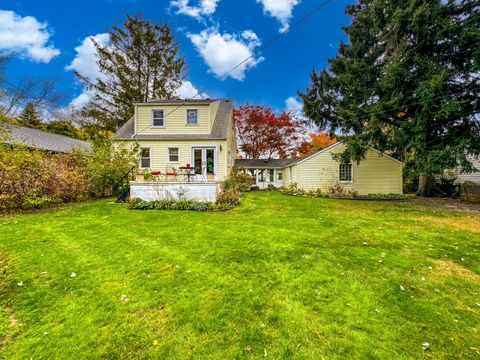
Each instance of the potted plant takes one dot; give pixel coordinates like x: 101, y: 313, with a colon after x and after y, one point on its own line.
x: 140, y: 176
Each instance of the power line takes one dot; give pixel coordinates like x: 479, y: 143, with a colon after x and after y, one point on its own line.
x: 261, y: 48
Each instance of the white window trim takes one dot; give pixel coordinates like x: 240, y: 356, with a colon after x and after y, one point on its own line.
x: 150, y: 157
x: 151, y: 119
x: 168, y: 154
x: 277, y: 172
x: 345, y: 181
x: 186, y: 118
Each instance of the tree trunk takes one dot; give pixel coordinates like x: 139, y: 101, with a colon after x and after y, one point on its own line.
x: 425, y: 183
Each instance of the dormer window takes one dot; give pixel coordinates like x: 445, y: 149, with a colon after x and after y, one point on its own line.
x: 192, y: 117
x: 157, y: 118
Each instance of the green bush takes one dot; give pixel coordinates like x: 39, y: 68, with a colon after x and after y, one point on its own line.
x: 229, y: 198
x: 238, y: 180
x: 337, y: 192
x: 106, y: 164
x: 170, y: 204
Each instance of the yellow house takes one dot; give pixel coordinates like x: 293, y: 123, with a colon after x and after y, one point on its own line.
x: 175, y: 134
x: 378, y: 173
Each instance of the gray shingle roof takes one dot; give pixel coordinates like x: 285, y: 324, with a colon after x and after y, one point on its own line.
x: 42, y: 140
x: 219, y: 128
x: 264, y: 163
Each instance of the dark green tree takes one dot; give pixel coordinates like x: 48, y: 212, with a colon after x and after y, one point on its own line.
x: 407, y: 82
x: 29, y: 117
x: 63, y: 127
x: 140, y: 62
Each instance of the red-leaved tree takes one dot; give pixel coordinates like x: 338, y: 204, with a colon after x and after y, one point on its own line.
x: 262, y: 134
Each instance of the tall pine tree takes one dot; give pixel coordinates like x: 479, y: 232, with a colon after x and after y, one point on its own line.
x: 407, y: 82
x: 29, y: 117
x: 141, y: 61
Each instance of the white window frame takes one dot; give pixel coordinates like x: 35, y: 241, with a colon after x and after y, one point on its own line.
x: 186, y: 118
x: 351, y: 172
x: 279, y: 178
x: 149, y: 157
x: 168, y: 154
x: 152, y: 124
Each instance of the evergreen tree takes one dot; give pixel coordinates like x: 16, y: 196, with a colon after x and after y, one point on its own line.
x: 407, y: 82
x: 29, y: 117
x: 140, y: 62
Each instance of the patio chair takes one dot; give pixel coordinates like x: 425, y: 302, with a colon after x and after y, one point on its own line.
x: 156, y: 175
x: 171, y: 171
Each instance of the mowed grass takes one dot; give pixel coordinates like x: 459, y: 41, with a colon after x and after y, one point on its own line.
x: 278, y: 277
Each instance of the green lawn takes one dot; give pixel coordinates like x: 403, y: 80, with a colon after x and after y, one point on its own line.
x: 277, y: 277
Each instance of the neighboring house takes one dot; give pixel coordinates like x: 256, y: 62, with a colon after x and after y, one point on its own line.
x: 42, y: 140
x: 471, y: 177
x: 175, y: 134
x: 376, y: 174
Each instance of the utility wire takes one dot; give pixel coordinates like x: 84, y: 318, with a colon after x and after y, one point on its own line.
x: 261, y: 48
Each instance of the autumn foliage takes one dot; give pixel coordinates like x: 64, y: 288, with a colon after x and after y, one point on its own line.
x: 318, y: 141
x: 263, y: 134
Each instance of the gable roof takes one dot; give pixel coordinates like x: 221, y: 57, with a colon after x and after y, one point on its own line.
x: 282, y: 163
x: 338, y: 143
x: 264, y: 163
x: 42, y: 140
x: 219, y: 129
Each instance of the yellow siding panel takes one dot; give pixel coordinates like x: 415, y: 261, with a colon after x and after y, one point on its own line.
x: 175, y: 118
x: 376, y: 174
x: 158, y: 153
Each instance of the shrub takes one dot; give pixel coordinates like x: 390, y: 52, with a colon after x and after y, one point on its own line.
x: 106, y: 164
x: 170, y: 204
x: 238, y: 180
x: 337, y: 192
x: 229, y: 198
x: 445, y: 186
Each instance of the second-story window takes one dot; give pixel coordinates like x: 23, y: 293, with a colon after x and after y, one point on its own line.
x: 192, y: 117
x: 157, y: 118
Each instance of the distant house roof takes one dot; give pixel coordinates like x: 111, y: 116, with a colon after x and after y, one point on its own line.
x: 219, y: 128
x: 42, y: 140
x: 264, y: 163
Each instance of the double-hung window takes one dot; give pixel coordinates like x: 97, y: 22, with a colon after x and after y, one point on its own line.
x: 192, y: 117
x: 173, y: 154
x: 157, y: 118
x: 345, y: 173
x: 145, y: 157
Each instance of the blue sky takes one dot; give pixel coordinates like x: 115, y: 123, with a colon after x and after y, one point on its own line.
x: 50, y: 38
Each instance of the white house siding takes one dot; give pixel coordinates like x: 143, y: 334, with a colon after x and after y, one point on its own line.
x: 151, y: 191
x: 473, y: 177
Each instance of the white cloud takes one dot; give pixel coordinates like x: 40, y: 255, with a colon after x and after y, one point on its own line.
x: 187, y: 91
x: 222, y: 52
x: 85, y: 61
x: 279, y: 9
x: 26, y: 36
x: 204, y: 8
x: 294, y: 106
x: 82, y: 99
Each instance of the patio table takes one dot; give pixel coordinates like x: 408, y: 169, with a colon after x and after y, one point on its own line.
x: 189, y: 171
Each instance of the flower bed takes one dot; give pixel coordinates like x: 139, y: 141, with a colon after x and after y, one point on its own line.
x: 337, y: 192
